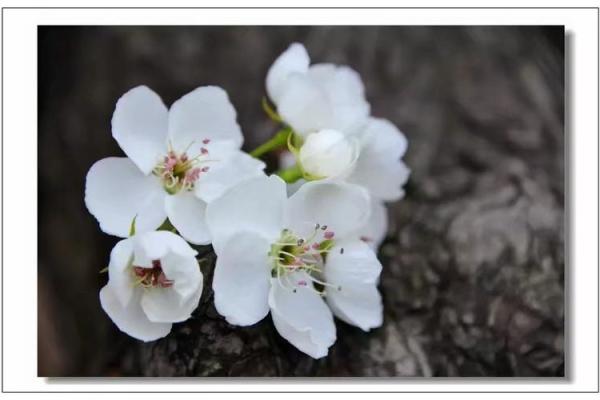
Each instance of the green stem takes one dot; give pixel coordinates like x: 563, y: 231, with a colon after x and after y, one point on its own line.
x: 279, y: 140
x: 291, y: 174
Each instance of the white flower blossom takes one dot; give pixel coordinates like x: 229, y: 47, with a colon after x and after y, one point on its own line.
x: 318, y: 98
x: 154, y: 280
x: 299, y: 258
x: 178, y: 161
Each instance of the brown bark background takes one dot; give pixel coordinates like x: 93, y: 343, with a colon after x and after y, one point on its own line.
x: 473, y: 279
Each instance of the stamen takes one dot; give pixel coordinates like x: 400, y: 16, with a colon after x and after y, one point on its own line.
x: 329, y: 235
x: 151, y: 277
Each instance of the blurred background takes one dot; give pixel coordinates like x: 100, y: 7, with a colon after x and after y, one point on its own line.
x: 473, y: 280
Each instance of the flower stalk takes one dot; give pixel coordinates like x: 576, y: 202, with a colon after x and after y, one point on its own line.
x: 277, y: 141
x: 291, y: 174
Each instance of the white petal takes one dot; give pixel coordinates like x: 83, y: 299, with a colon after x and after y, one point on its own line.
x: 354, y: 273
x: 255, y: 205
x: 176, y: 303
x: 383, y: 138
x: 242, y: 279
x: 294, y: 59
x: 379, y: 167
x: 116, y: 191
x: 346, y: 94
x: 139, y: 125
x: 301, y: 316
x: 375, y: 229
x: 185, y: 273
x: 158, y: 244
x: 304, y: 105
x: 119, y: 271
x: 177, y: 258
x: 356, y: 264
x: 205, y: 113
x: 187, y: 213
x: 343, y: 207
x: 358, y: 305
x: 228, y: 172
x: 383, y: 179
x: 131, y: 318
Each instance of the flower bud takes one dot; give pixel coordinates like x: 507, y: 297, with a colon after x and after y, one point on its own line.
x: 327, y: 153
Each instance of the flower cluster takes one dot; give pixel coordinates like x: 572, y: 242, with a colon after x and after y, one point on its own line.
x: 299, y: 244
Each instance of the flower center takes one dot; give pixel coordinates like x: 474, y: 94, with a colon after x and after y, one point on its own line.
x: 179, y: 171
x: 293, y: 253
x: 151, y: 277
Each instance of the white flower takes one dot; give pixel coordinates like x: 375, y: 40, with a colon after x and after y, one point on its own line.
x: 154, y: 280
x: 324, y: 97
x: 288, y: 255
x: 328, y: 154
x: 178, y: 161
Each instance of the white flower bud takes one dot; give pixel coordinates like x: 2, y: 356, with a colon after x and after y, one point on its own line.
x: 328, y: 153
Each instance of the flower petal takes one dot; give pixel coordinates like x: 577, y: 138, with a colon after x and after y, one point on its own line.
x: 116, y: 191
x: 342, y: 207
x: 139, y: 125
x: 255, y: 205
x: 185, y: 273
x: 379, y: 167
x: 131, y: 318
x: 382, y: 137
x: 119, y: 271
x: 356, y: 264
x: 375, y: 229
x: 354, y: 273
x: 358, y: 305
x: 383, y: 179
x: 301, y: 316
x: 204, y: 113
x: 304, y: 105
x: 294, y: 59
x: 232, y: 169
x: 158, y: 244
x: 346, y: 93
x: 187, y: 213
x: 242, y: 279
x: 176, y: 303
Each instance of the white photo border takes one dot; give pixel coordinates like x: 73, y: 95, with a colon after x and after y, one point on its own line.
x: 19, y: 191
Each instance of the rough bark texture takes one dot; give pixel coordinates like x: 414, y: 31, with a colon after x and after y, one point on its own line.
x: 473, y: 279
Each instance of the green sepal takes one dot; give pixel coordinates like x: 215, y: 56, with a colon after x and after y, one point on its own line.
x: 271, y: 113
x: 132, y: 226
x: 167, y: 226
